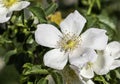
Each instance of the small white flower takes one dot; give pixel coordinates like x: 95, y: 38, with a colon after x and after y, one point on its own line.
x: 108, y: 59
x: 69, y: 44
x: 81, y: 78
x: 8, y: 6
x: 87, y: 70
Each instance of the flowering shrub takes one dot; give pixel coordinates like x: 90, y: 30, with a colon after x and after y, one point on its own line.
x: 59, y: 42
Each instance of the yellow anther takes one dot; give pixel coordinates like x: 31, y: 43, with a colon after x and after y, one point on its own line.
x: 9, y: 3
x: 89, y: 65
x: 68, y: 43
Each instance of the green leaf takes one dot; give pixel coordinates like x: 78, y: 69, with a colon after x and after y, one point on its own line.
x: 110, y: 32
x: 9, y: 75
x: 27, y: 65
x: 33, y: 69
x: 101, y: 79
x: 9, y: 54
x: 57, y: 78
x: 42, y: 81
x: 23, y: 79
x: 104, y: 18
x: 30, y: 83
x: 91, y: 22
x: 117, y: 74
x: 51, y: 8
x: 107, y: 76
x: 3, y: 40
x: 22, y: 17
x: 39, y: 13
x: 98, y: 4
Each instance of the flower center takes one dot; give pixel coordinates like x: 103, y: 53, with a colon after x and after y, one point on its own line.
x: 89, y: 65
x: 9, y: 3
x: 69, y: 43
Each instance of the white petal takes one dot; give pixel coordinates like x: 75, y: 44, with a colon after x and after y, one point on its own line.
x: 82, y: 79
x: 115, y: 64
x: 5, y: 17
x: 55, y: 59
x: 47, y: 35
x: 94, y: 38
x: 73, y: 23
x: 79, y: 57
x: 87, y: 72
x: 19, y: 6
x: 85, y: 80
x: 75, y: 57
x: 102, y: 64
x: 91, y: 55
x: 3, y: 11
x: 90, y: 82
x: 113, y: 49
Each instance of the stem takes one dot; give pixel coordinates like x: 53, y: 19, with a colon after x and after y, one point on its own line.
x: 69, y: 76
x: 90, y: 7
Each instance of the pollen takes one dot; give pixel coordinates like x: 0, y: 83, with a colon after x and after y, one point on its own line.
x: 9, y: 3
x: 69, y: 43
x: 89, y: 65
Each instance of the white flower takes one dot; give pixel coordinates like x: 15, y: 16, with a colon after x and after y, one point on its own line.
x: 87, y: 70
x: 108, y: 59
x: 8, y: 6
x: 69, y: 44
x: 82, y: 79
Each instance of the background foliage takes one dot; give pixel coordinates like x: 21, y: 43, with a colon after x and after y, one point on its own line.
x: 24, y: 57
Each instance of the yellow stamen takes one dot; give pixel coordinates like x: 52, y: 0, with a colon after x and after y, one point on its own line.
x: 69, y: 44
x: 9, y: 3
x: 89, y: 65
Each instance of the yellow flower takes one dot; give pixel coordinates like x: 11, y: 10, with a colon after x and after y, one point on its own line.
x: 56, y: 17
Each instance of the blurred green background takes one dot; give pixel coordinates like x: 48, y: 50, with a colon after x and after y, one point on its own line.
x: 17, y: 45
